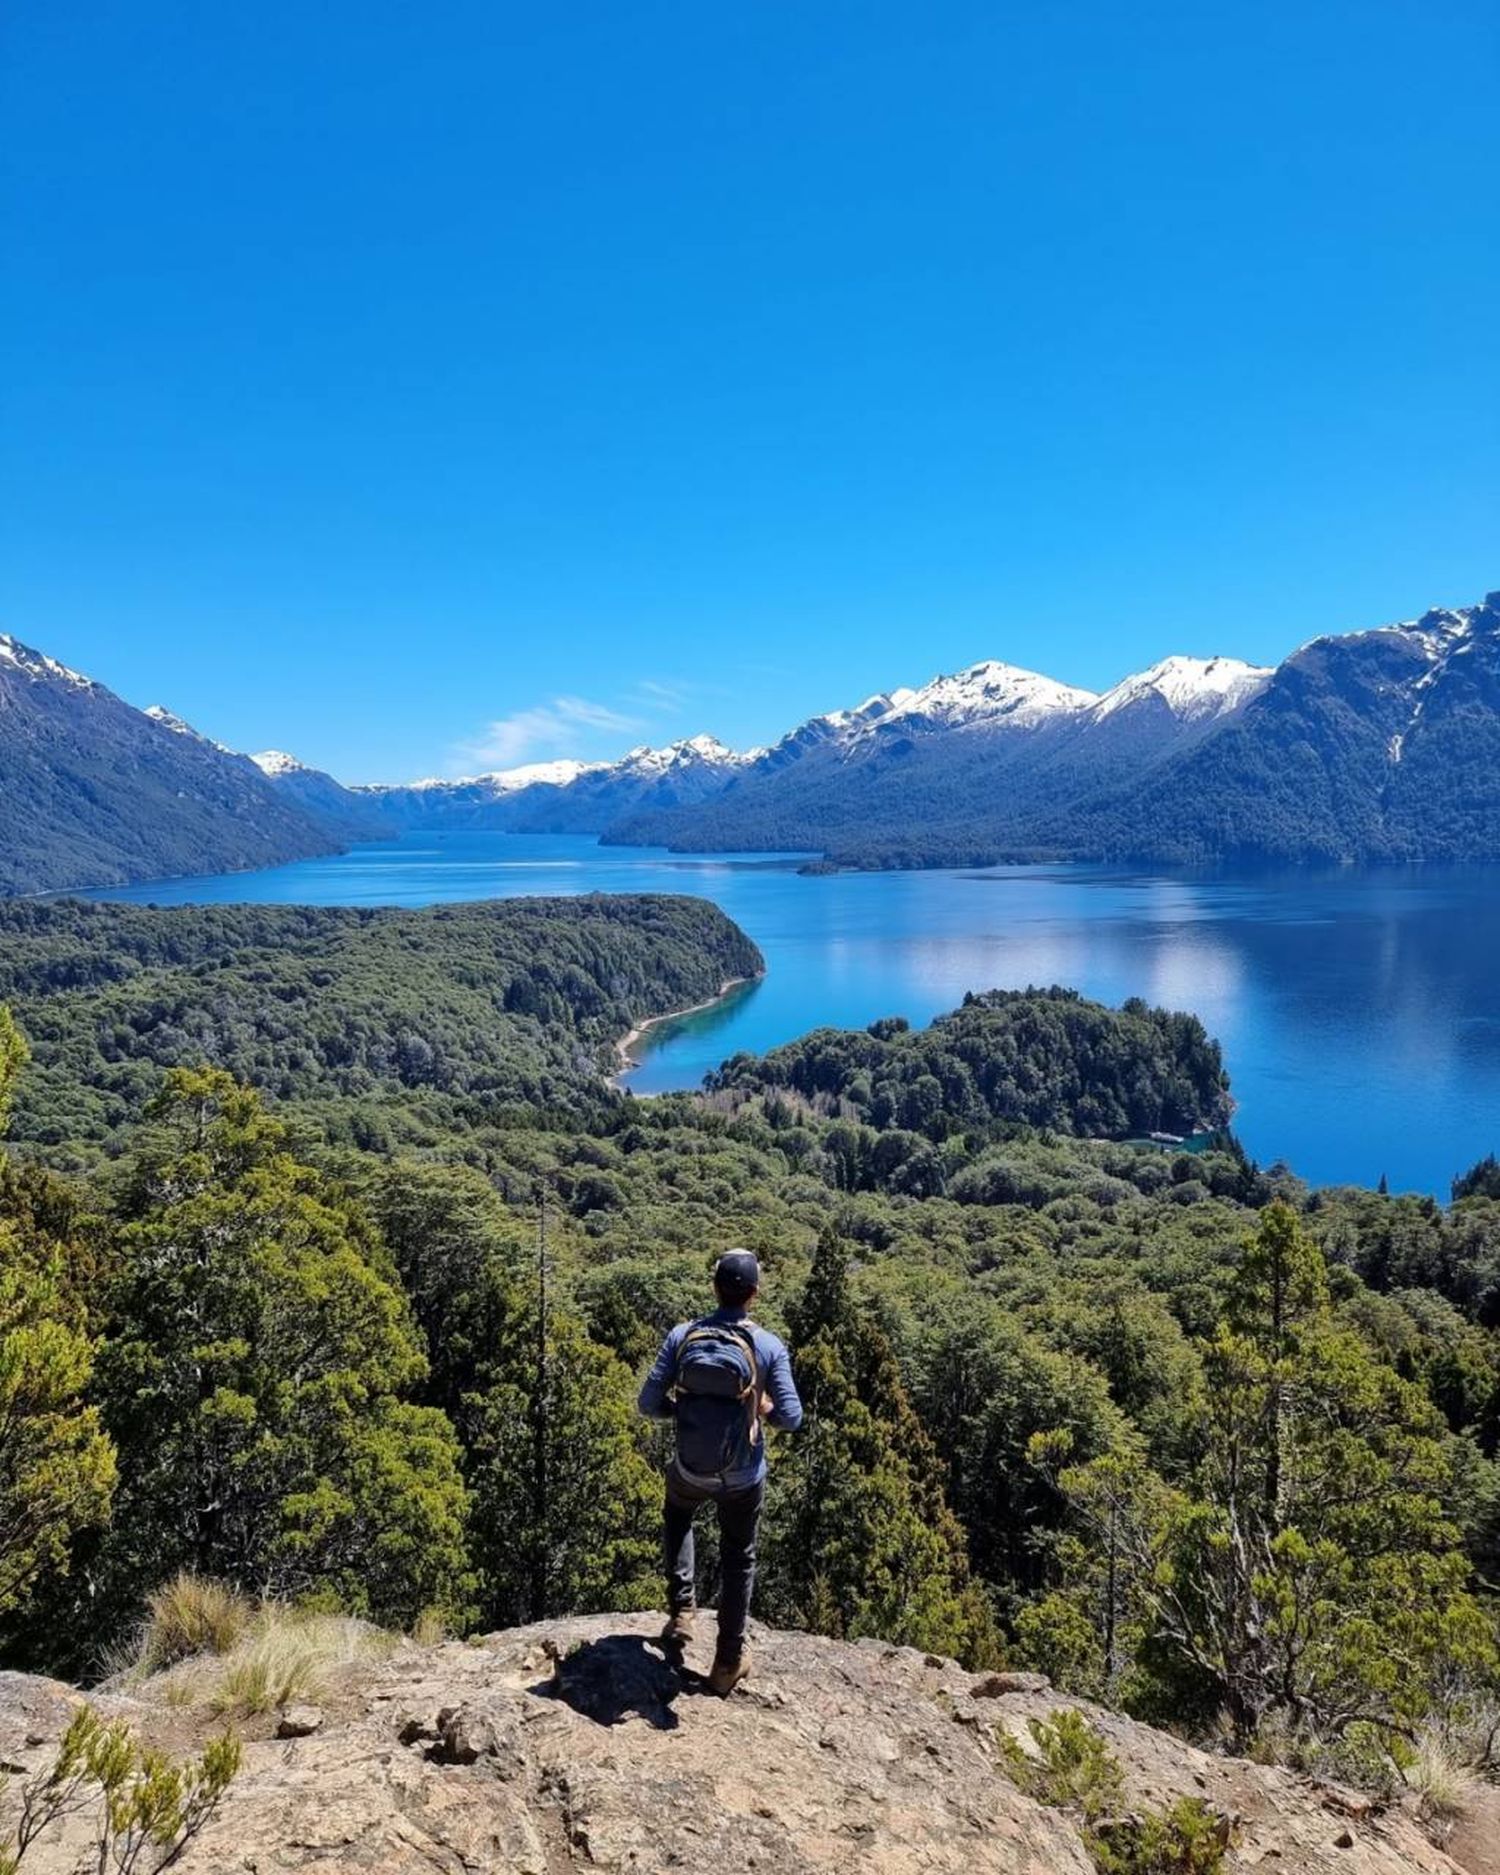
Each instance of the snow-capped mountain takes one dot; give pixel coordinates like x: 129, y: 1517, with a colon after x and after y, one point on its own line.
x: 1193, y: 689
x: 275, y: 764
x: 1192, y: 758
x: 1381, y: 744
x: 566, y: 796
x: 989, y: 694
x: 690, y: 753
x: 836, y: 728
x: 165, y: 719
x: 346, y: 813
x: 22, y: 661
x: 846, y: 724
x: 988, y: 748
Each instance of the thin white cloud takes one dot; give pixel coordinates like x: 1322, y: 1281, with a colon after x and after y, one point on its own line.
x: 673, y: 694
x: 544, y: 730
x: 663, y: 696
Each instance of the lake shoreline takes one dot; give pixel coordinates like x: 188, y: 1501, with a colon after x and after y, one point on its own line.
x: 634, y: 1035
x: 1358, y: 1008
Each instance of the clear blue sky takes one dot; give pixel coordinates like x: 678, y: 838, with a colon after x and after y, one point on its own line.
x: 409, y: 385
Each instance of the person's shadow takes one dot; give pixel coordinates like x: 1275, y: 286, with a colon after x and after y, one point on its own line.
x: 622, y: 1676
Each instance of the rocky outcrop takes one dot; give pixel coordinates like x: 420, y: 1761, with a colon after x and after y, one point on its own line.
x: 577, y: 1744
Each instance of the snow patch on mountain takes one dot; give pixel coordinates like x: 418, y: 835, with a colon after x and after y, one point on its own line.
x: 690, y: 752
x: 557, y: 774
x: 642, y: 762
x: 988, y: 693
x: 1442, y: 629
x: 1193, y: 689
x: 276, y: 762
x: 873, y: 710
x: 168, y: 719
x: 36, y: 664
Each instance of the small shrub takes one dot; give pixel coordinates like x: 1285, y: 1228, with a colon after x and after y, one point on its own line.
x: 1075, y: 1770
x: 149, y: 1806
x: 1189, y: 1839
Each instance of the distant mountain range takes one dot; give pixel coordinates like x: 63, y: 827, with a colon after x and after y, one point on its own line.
x: 1374, y: 745
x: 568, y: 797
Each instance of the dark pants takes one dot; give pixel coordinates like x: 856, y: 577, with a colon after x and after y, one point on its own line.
x: 739, y: 1519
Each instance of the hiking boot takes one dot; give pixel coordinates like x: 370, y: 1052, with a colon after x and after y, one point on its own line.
x: 679, y: 1629
x: 727, y: 1674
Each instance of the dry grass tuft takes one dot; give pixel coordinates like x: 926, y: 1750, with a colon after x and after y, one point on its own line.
x: 190, y: 1615
x: 431, y: 1629
x: 1445, y: 1785
x: 291, y: 1656
x: 250, y: 1660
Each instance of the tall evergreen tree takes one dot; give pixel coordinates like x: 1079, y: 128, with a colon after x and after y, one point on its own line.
x: 57, y: 1467
x: 1306, y: 1568
x: 14, y: 1056
x: 860, y: 1539
x: 565, y: 1506
x: 256, y: 1378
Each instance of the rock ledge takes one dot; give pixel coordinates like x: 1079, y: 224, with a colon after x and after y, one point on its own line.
x: 577, y: 1744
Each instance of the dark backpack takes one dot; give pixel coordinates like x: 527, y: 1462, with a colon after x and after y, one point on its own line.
x: 716, y: 1390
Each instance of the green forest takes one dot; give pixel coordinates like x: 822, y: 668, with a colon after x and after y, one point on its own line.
x: 332, y: 1259
x: 388, y: 1024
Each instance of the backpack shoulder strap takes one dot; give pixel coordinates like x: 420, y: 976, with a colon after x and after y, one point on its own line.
x: 744, y: 1332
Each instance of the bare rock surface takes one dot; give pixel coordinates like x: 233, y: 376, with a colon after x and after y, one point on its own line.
x: 580, y: 1744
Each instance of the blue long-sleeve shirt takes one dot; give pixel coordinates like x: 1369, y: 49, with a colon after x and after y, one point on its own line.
x: 775, y: 1367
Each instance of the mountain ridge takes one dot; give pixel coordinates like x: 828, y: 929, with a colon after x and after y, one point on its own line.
x: 1374, y: 745
x: 96, y: 792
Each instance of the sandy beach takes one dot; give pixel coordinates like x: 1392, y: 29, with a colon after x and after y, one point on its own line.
x: 628, y: 1041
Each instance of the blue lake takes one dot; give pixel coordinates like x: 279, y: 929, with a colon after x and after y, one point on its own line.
x: 1359, y: 1010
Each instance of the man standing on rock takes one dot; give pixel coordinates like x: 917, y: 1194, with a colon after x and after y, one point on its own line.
x: 722, y: 1380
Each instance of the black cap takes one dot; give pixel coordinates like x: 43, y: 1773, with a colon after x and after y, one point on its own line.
x: 736, y: 1273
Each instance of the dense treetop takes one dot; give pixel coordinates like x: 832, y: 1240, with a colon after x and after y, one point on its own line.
x: 1041, y: 1058
x: 516, y: 1001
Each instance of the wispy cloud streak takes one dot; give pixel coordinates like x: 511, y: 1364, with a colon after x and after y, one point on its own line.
x: 554, y: 728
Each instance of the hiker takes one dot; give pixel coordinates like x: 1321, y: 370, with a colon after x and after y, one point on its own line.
x: 722, y: 1379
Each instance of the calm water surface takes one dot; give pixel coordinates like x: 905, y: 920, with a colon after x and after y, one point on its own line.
x: 1359, y: 1011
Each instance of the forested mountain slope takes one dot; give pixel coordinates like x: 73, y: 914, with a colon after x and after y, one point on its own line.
x: 1382, y: 745
x: 94, y: 792
x: 1375, y: 745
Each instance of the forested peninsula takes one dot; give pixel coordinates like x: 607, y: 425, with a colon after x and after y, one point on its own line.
x: 331, y: 1260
